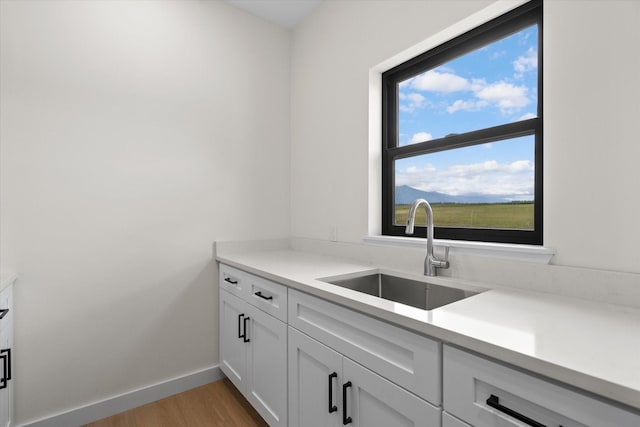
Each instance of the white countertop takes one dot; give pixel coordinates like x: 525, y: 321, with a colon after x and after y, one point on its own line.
x: 592, y: 346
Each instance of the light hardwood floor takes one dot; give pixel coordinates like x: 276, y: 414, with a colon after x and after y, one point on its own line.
x: 215, y: 404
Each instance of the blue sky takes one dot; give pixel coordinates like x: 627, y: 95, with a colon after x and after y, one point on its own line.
x: 493, y: 85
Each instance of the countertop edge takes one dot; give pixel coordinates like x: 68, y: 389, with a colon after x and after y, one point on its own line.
x: 7, y: 279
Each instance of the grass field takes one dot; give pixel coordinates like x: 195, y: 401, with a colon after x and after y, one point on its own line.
x: 484, y: 215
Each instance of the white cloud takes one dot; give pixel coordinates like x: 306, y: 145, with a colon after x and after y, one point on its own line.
x: 416, y: 99
x: 526, y: 62
x: 468, y: 105
x: 411, y: 101
x: 420, y: 137
x: 459, y: 104
x: 478, y: 84
x: 506, y: 96
x: 520, y: 166
x: 435, y: 81
x: 490, y: 177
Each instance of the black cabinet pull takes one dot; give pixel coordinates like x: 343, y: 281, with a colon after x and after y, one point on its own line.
x: 332, y: 407
x: 345, y: 420
x: 6, y: 365
x: 494, y: 402
x: 230, y: 280
x: 3, y: 312
x: 244, y: 333
x: 259, y: 294
x: 240, y: 334
x: 3, y: 380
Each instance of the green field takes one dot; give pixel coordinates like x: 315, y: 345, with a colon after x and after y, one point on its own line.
x: 517, y: 215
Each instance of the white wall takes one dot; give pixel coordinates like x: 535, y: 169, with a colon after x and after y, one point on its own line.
x: 591, y: 92
x: 133, y: 135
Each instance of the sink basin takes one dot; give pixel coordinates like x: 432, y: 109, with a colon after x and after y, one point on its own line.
x: 423, y: 295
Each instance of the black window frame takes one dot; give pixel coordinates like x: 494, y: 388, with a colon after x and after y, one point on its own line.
x: 498, y: 28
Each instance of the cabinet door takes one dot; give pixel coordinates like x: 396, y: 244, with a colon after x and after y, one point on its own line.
x: 6, y: 345
x: 315, y: 374
x: 6, y: 398
x: 267, y: 367
x: 372, y: 401
x: 233, y: 348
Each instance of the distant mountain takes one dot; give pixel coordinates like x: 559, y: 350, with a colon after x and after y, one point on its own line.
x: 405, y: 195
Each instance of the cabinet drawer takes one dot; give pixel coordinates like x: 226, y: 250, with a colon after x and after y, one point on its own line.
x: 405, y: 358
x: 268, y: 296
x: 234, y: 281
x: 474, y: 386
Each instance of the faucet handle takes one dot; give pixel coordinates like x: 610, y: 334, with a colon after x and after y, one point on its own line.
x: 443, y: 263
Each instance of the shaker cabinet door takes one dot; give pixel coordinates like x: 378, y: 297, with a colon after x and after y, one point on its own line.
x: 6, y: 382
x: 6, y: 355
x: 372, y: 401
x: 267, y: 367
x: 233, y: 352
x: 315, y: 392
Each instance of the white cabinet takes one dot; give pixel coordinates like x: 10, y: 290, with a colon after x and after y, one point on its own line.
x: 328, y: 389
x: 233, y: 348
x: 267, y: 367
x: 484, y: 393
x: 6, y: 382
x: 408, y: 359
x: 6, y: 357
x: 253, y: 350
x: 373, y: 401
x: 302, y: 361
x: 315, y: 372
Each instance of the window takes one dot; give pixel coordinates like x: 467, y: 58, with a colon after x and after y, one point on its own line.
x: 462, y: 128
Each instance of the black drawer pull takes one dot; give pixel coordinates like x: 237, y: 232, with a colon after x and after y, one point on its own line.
x: 332, y: 407
x: 3, y: 312
x: 244, y: 333
x: 6, y: 365
x: 240, y: 334
x: 259, y: 294
x: 230, y: 280
x: 345, y: 420
x: 494, y: 402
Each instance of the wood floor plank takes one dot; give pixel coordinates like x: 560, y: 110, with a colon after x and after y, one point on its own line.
x: 212, y: 405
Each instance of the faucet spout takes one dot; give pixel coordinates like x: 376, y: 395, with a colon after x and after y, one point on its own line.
x: 431, y: 263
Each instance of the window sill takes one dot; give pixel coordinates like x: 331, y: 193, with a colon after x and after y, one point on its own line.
x: 527, y: 253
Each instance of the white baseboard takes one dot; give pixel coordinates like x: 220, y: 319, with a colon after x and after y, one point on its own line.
x: 124, y: 402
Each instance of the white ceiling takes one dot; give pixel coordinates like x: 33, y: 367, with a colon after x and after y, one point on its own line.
x: 286, y: 13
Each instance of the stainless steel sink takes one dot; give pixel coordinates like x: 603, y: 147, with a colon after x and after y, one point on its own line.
x: 426, y: 296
